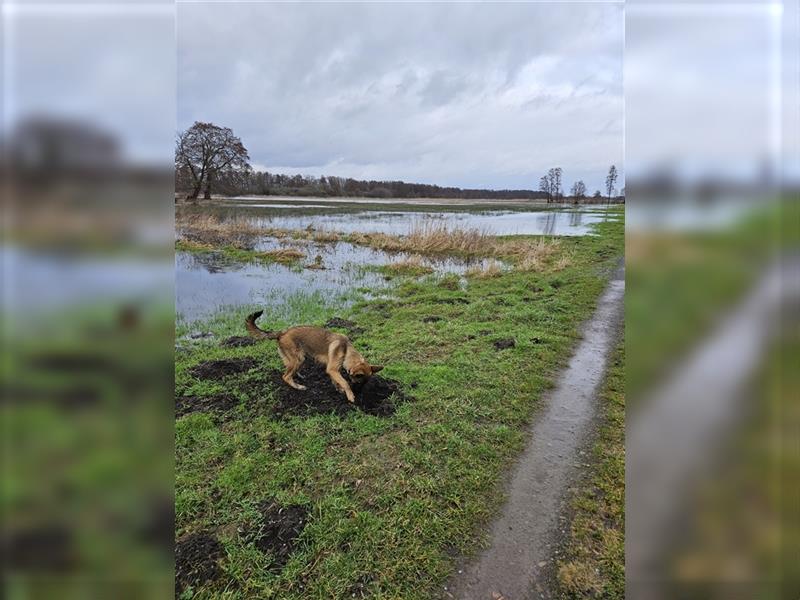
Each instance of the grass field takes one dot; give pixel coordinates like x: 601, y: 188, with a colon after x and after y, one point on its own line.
x: 373, y: 505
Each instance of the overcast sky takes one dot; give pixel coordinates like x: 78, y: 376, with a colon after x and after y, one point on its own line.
x: 472, y: 95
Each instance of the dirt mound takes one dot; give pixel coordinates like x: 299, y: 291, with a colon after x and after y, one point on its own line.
x: 278, y: 530
x: 504, y: 344
x: 217, y: 369
x: 339, y: 323
x: 196, y: 561
x: 378, y: 396
x: 237, y: 341
x: 220, y: 405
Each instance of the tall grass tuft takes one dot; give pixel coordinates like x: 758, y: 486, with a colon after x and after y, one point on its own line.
x: 492, y: 268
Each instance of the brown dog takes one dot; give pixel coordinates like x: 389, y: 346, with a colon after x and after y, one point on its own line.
x: 333, y: 350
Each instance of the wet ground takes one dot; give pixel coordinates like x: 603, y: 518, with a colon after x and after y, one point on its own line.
x: 523, y: 537
x: 377, y: 396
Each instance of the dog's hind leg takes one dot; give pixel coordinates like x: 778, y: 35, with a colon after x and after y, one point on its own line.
x: 292, y: 359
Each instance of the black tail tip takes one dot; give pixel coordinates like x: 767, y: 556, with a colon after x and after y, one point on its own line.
x: 255, y: 315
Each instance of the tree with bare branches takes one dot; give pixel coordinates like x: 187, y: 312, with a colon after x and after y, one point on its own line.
x: 206, y: 152
x: 578, y: 191
x: 611, y: 179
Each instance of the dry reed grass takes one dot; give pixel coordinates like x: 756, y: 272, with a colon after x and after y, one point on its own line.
x: 412, y: 265
x: 212, y: 231
x: 283, y: 255
x: 492, y: 268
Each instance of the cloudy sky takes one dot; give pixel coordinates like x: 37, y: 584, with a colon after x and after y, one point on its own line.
x: 473, y: 95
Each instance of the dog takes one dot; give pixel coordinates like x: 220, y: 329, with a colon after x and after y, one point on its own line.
x: 332, y: 350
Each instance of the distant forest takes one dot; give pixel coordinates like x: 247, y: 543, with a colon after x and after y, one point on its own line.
x: 210, y: 159
x: 265, y: 183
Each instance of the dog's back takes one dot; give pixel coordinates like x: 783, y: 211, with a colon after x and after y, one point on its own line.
x: 313, y: 341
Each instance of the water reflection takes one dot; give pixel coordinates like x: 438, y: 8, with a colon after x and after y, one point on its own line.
x: 399, y: 220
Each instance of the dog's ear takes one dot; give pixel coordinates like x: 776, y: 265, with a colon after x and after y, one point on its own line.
x: 376, y: 368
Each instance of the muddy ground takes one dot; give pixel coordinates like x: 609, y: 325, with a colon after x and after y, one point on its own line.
x: 277, y: 531
x: 217, y: 369
x: 378, y: 396
x: 197, y: 559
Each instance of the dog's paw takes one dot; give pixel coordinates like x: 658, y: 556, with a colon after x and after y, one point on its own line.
x: 300, y: 387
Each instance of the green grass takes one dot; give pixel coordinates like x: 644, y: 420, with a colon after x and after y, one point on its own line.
x: 88, y: 451
x: 593, y: 563
x: 393, y: 501
x: 286, y: 256
x: 678, y: 284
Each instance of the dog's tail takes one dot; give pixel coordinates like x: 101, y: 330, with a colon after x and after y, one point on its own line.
x: 256, y: 332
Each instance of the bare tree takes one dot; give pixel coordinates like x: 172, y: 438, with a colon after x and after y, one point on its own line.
x: 207, y: 151
x: 544, y: 186
x: 557, y: 182
x: 578, y: 191
x: 611, y: 179
x: 550, y: 183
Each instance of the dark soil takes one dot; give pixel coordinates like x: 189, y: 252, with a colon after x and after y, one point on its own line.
x: 457, y: 300
x: 504, y: 344
x: 349, y: 326
x: 217, y: 369
x: 220, y: 405
x: 237, y: 341
x: 196, y: 561
x: 47, y: 548
x: 378, y: 396
x: 431, y: 319
x: 278, y: 530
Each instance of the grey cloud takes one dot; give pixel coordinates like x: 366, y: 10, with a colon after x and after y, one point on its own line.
x: 466, y: 94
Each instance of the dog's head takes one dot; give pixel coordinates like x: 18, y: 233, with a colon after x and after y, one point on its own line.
x: 363, y: 371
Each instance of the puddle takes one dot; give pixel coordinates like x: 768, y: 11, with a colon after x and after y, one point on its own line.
x: 196, y: 561
x: 378, y: 396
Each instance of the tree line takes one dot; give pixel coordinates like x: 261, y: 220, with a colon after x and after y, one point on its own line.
x: 211, y: 159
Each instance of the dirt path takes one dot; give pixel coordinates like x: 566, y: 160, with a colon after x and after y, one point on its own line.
x: 521, y: 538
x: 674, y: 440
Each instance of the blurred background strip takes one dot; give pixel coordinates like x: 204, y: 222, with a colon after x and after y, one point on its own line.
x: 712, y: 333
x: 87, y: 278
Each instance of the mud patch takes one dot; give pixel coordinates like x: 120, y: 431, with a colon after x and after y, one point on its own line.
x: 278, y: 531
x: 505, y: 344
x: 361, y: 589
x: 237, y: 341
x: 196, y: 561
x: 339, y: 323
x: 221, y: 405
x: 47, y: 547
x: 217, y: 369
x: 378, y: 396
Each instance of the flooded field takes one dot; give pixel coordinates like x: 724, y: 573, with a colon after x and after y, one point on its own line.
x: 397, y: 217
x: 208, y: 284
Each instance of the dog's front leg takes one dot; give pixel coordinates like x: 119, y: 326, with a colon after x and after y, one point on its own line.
x: 341, y: 383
